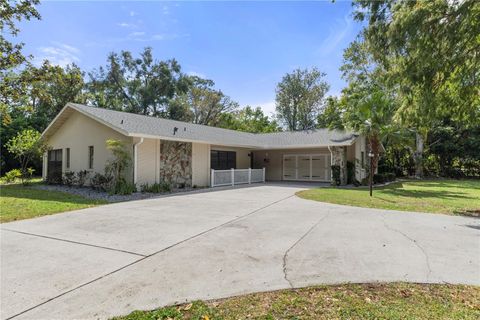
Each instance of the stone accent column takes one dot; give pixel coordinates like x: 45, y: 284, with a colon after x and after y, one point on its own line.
x: 339, y: 158
x: 176, y: 163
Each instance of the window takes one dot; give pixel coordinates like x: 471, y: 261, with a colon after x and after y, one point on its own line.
x: 68, y: 158
x: 223, y: 160
x: 362, y: 159
x: 90, y: 157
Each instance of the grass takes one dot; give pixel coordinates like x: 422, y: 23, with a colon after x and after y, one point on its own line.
x: 435, y: 196
x: 18, y: 202
x: 350, y: 301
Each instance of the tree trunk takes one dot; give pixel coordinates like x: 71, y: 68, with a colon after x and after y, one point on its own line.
x: 418, y: 155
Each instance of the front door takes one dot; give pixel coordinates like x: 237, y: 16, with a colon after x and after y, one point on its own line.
x: 54, y: 169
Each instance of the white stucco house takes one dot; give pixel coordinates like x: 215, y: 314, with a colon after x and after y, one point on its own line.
x: 185, y: 153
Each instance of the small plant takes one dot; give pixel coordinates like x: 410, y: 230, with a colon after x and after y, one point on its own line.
x: 69, y: 178
x: 54, y: 177
x: 161, y: 187
x: 12, y: 175
x: 81, y: 177
x: 101, y: 182
x: 336, y: 175
x: 123, y: 187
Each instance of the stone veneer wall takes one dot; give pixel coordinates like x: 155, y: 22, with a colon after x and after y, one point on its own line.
x: 176, y: 163
x: 339, y: 158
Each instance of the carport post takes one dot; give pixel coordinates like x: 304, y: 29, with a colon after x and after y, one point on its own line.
x: 212, y: 178
x: 233, y: 177
x: 249, y: 175
x: 263, y: 173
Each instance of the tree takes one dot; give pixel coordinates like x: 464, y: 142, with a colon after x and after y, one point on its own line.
x: 139, y: 85
x: 298, y: 98
x: 201, y: 104
x: 330, y: 115
x: 429, y: 51
x: 26, y: 146
x: 33, y: 97
x: 249, y: 119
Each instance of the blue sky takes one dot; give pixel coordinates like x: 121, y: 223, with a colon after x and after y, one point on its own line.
x: 245, y: 47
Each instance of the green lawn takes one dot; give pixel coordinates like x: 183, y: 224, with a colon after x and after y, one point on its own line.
x: 352, y: 301
x: 18, y: 202
x: 436, y: 196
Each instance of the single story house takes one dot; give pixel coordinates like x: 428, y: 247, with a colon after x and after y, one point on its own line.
x: 185, y: 153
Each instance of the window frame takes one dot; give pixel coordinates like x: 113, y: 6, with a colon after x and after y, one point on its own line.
x: 223, y: 159
x: 91, y: 153
x: 67, y: 158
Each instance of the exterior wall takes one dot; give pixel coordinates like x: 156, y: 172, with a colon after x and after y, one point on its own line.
x: 200, y: 165
x: 274, y: 164
x: 360, y: 146
x: 176, y: 163
x: 148, y: 161
x: 339, y: 158
x: 243, y: 160
x: 78, y: 133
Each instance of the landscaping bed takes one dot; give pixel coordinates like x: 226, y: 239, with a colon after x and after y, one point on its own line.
x: 435, y: 196
x: 349, y: 301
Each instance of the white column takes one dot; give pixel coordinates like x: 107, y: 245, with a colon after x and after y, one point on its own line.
x: 233, y: 176
x: 263, y: 173
x: 249, y: 175
x: 212, y: 178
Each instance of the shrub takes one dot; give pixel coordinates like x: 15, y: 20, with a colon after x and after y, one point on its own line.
x: 336, y: 175
x: 378, y: 178
x: 69, y: 178
x: 101, y: 182
x: 122, y: 187
x: 390, y: 176
x: 81, y: 177
x: 350, y: 172
x: 156, y: 187
x: 12, y: 175
x: 54, y: 177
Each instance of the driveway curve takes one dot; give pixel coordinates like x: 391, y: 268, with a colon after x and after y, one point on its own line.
x: 111, y: 260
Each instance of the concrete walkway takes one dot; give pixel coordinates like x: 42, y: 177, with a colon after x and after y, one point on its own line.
x: 113, y: 259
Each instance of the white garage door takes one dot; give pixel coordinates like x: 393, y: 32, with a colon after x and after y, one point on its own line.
x: 306, y: 167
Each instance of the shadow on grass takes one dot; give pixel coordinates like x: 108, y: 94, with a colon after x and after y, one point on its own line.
x: 465, y: 183
x: 25, y: 192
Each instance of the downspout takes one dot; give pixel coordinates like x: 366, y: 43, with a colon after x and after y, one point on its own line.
x: 135, y: 158
x: 331, y: 162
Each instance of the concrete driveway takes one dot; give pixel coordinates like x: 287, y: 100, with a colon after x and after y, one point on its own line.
x: 113, y: 259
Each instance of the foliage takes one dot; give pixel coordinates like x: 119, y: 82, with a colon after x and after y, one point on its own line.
x: 434, y: 196
x: 34, y: 96
x: 350, y: 172
x: 344, y: 301
x: 429, y: 50
x: 299, y: 97
x: 116, y: 167
x: 249, y: 119
x: 19, y: 202
x: 12, y: 175
x: 26, y: 146
x: 161, y: 187
x: 81, y: 177
x: 101, y: 182
x: 383, y: 177
x: 336, y: 181
x: 330, y: 115
x: 139, y: 85
x: 69, y: 178
x: 201, y: 104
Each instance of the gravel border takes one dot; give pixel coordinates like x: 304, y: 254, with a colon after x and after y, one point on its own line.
x: 90, y: 193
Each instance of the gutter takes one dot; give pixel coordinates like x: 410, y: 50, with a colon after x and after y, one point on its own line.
x: 135, y: 160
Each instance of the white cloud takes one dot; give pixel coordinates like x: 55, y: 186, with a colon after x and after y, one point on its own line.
x: 59, y: 54
x: 338, y: 32
x: 133, y: 13
x: 127, y: 25
x: 136, y: 34
x: 166, y: 10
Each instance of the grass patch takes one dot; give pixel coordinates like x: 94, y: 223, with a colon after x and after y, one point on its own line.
x: 18, y: 202
x: 435, y: 196
x: 350, y: 301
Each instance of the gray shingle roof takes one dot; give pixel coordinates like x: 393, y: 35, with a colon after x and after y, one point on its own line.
x: 138, y: 125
